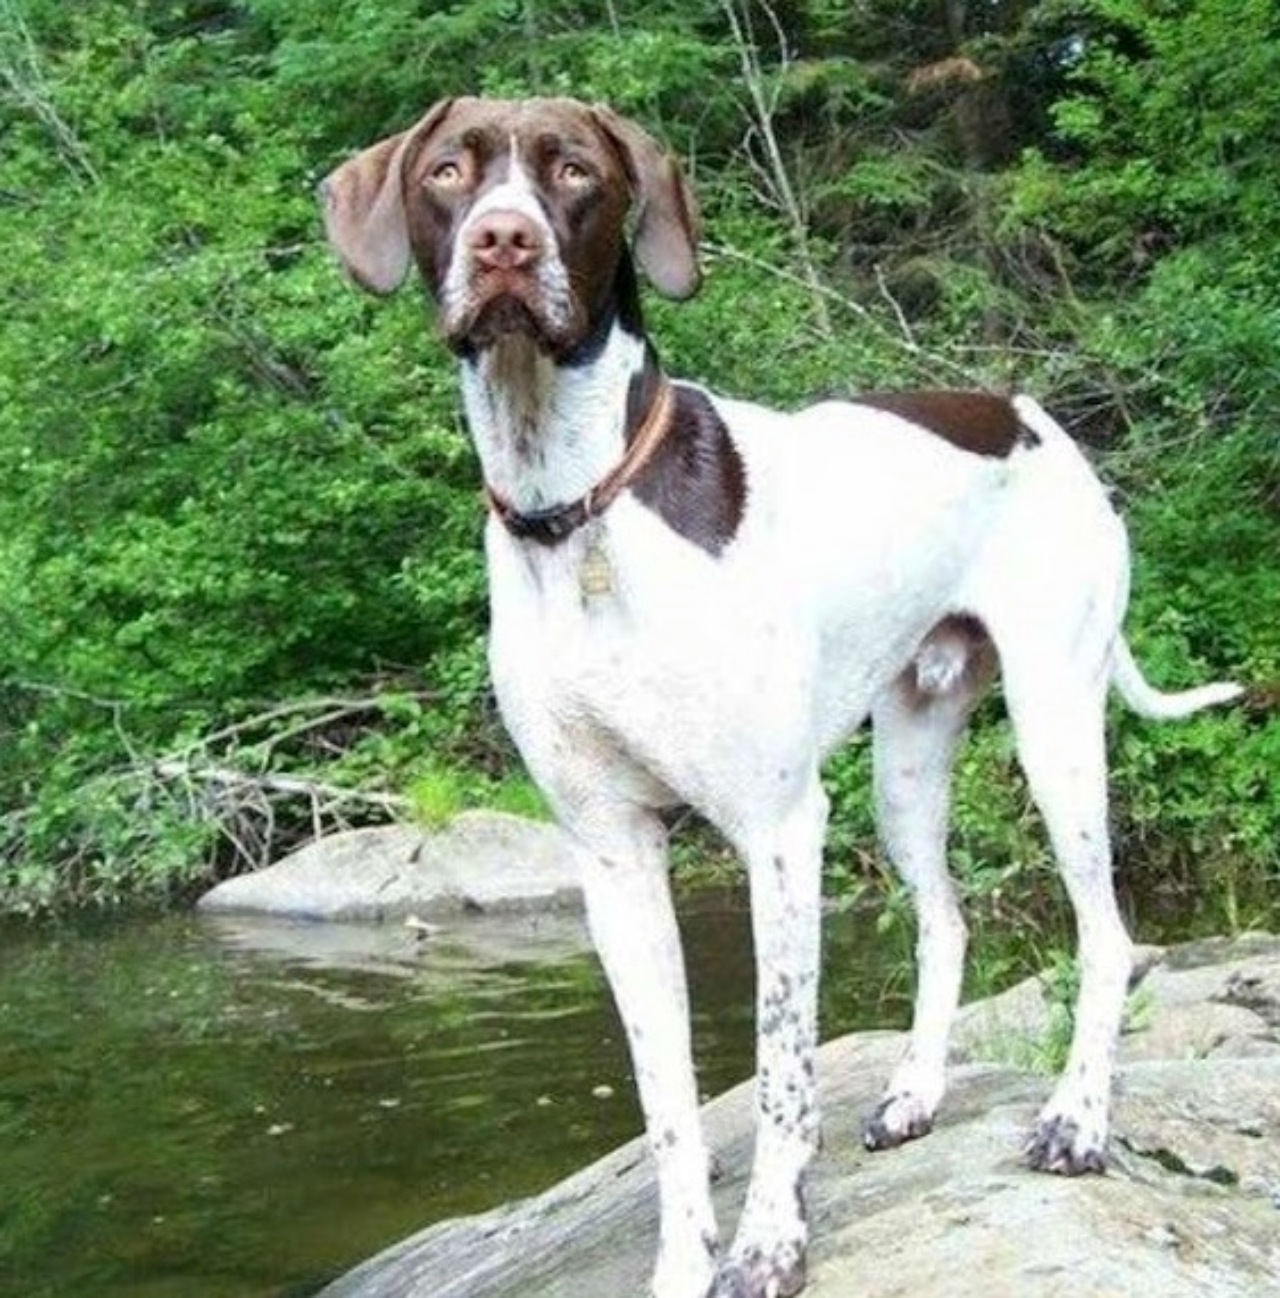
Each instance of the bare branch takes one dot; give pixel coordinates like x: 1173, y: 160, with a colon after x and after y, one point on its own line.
x: 319, y: 712
x: 764, y: 104
x: 929, y: 362
x: 227, y: 778
x: 903, y: 324
x: 20, y: 72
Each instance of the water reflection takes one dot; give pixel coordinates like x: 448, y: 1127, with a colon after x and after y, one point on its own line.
x: 201, y: 1109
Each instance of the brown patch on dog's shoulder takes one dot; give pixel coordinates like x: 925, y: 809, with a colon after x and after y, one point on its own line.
x: 979, y: 422
x: 696, y: 480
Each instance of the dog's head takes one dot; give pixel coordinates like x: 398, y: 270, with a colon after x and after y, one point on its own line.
x: 515, y: 212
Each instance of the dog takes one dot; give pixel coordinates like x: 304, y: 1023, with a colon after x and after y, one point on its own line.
x: 694, y: 600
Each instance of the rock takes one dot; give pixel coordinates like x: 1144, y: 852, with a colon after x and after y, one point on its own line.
x: 483, y: 861
x: 1202, y: 1001
x: 1189, y: 1208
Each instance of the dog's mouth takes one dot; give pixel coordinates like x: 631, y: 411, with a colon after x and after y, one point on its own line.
x: 507, y: 305
x: 505, y: 314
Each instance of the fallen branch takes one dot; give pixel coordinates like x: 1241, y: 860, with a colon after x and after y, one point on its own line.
x: 242, y: 806
x: 289, y: 786
x: 317, y: 713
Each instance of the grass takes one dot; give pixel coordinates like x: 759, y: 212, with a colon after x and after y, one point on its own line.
x: 439, y: 793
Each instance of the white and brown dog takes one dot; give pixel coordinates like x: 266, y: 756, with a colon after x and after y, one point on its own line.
x: 696, y: 600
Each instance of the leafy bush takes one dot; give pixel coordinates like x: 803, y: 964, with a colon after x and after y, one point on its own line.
x: 233, y: 488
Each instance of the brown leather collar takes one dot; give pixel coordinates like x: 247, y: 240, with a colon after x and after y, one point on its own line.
x: 550, y: 526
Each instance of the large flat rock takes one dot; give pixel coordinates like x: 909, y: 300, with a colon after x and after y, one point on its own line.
x: 482, y: 862
x: 1189, y: 1208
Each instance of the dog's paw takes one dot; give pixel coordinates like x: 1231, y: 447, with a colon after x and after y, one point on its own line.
x: 1061, y: 1145
x: 895, y: 1120
x: 688, y: 1272
x: 780, y: 1274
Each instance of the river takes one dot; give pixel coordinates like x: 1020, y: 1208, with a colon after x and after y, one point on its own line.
x: 194, y: 1109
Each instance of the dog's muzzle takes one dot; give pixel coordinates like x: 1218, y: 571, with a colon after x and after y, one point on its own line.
x: 513, y: 285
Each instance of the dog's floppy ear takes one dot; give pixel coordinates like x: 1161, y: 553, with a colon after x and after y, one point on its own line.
x: 667, y: 213
x: 364, y: 214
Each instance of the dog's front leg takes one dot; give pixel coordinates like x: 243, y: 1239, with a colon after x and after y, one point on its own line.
x: 784, y: 861
x: 633, y: 925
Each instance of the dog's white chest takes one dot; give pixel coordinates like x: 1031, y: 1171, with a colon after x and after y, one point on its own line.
x: 623, y: 650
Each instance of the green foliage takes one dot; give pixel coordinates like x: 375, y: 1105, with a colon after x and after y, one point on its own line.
x: 517, y: 795
x: 438, y: 793
x: 1171, y: 134
x: 1046, y: 1051
x: 228, y: 480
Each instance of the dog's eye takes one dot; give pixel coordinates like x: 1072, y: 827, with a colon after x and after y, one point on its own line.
x: 572, y: 173
x: 448, y: 175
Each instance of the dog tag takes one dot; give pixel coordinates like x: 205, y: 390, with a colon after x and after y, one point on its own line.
x: 595, y: 577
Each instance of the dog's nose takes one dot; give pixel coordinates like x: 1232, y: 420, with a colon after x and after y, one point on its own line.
x: 505, y: 240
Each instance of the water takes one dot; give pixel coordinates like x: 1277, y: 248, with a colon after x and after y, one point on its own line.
x: 195, y: 1111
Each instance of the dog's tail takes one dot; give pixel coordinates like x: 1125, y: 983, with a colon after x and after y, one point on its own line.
x: 1148, y: 701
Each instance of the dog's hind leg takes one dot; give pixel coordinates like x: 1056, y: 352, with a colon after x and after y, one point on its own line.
x: 633, y: 924
x: 917, y: 723
x: 1058, y: 710
x: 783, y: 853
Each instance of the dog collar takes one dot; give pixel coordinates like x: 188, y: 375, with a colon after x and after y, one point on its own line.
x: 551, y: 526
